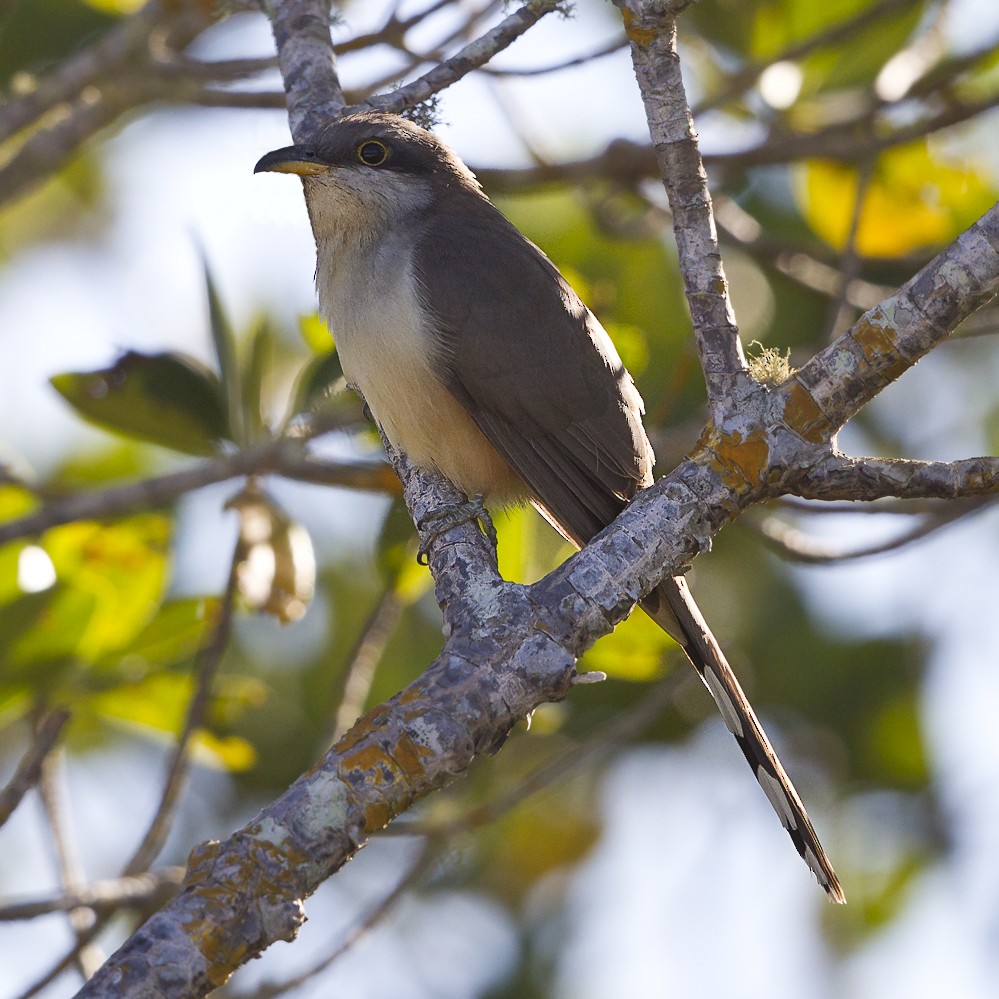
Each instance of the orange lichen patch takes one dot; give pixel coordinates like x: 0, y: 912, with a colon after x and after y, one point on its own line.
x: 371, y: 759
x: 748, y: 457
x: 377, y: 815
x: 256, y: 872
x: 410, y: 756
x: 411, y: 694
x: 741, y: 462
x: 877, y: 343
x: 634, y: 30
x: 803, y: 416
x: 361, y: 729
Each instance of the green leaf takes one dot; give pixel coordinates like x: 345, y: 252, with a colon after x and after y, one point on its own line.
x: 167, y: 399
x: 224, y: 342
x: 261, y: 351
x: 39, y: 33
x: 914, y: 199
x: 231, y: 753
x: 41, y: 632
x: 157, y: 706
x: 319, y: 385
x: 176, y: 633
x: 121, y: 566
x: 156, y: 703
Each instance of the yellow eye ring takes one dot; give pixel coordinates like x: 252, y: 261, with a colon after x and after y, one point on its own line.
x: 373, y: 153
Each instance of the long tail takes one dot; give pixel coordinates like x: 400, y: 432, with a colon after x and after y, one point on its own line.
x: 672, y: 607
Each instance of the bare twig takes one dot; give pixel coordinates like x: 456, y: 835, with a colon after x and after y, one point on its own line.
x: 840, y: 477
x: 308, y: 66
x: 93, y: 90
x: 418, y: 869
x: 285, y: 457
x: 796, y: 546
x: 205, y: 667
x: 102, y: 897
x: 608, y: 48
x: 85, y: 69
x: 849, y: 261
x: 86, y: 954
x: 590, y: 752
x: 652, y: 34
x: 364, y: 659
x: 44, y: 735
x: 471, y: 57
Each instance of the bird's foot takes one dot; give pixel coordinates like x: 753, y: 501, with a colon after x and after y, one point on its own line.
x: 433, y: 525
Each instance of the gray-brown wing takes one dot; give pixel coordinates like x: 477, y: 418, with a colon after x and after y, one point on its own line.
x: 534, y: 368
x: 541, y: 380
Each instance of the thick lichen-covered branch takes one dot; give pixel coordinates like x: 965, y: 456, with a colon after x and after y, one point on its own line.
x: 888, y: 339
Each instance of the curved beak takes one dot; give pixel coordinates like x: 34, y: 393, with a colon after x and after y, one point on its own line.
x: 291, y: 159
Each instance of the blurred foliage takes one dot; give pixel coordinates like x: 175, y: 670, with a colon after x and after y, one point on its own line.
x: 166, y: 399
x: 36, y: 34
x: 88, y: 618
x: 913, y: 200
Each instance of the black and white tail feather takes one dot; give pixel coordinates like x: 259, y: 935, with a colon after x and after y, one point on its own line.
x: 740, y: 719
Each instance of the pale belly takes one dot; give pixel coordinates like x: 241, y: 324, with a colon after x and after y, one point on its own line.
x: 386, y: 357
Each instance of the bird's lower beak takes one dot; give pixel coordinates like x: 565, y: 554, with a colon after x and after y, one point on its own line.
x: 291, y: 159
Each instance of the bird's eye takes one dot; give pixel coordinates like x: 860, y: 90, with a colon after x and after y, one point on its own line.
x: 372, y: 152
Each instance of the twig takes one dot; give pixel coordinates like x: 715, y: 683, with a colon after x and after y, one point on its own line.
x: 796, y: 546
x: 471, y: 57
x: 596, y: 747
x: 85, y: 69
x: 86, y: 954
x: 285, y: 457
x: 608, y: 48
x: 849, y: 262
x: 652, y: 33
x: 364, y: 659
x: 308, y: 65
x: 44, y: 735
x: 841, y: 477
x: 102, y: 897
x: 205, y: 667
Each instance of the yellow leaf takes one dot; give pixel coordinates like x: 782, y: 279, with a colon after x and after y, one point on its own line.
x: 914, y: 199
x: 224, y: 752
x: 633, y: 651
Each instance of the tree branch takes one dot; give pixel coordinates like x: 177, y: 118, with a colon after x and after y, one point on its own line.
x: 44, y: 736
x: 285, y: 457
x: 651, y: 29
x: 471, y: 57
x: 888, y: 339
x: 308, y: 66
x: 839, y: 477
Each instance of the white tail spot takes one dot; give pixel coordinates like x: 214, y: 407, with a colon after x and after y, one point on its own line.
x: 778, y: 798
x: 732, y: 720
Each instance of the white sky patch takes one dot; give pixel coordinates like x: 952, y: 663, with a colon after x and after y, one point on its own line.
x: 780, y: 84
x: 35, y: 571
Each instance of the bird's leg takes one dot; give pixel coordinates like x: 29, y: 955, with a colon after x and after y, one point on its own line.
x: 439, y: 522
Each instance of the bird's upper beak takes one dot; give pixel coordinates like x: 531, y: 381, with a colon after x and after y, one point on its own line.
x: 291, y: 159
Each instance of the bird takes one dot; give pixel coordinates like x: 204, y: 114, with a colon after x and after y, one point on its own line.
x: 476, y: 358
